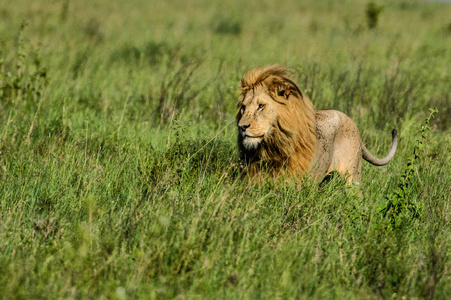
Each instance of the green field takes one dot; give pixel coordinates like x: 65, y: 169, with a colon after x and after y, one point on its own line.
x: 119, y: 170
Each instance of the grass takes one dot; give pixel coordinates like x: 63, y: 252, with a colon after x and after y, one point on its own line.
x: 119, y: 173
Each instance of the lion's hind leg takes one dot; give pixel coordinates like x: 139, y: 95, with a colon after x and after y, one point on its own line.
x: 349, y: 166
x: 347, y: 155
x: 339, y: 147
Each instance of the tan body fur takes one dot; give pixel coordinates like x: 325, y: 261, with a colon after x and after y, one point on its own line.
x: 279, y: 131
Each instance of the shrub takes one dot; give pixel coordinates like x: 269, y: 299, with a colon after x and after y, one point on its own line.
x: 372, y: 14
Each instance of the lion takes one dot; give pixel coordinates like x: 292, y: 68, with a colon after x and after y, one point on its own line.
x: 281, y: 133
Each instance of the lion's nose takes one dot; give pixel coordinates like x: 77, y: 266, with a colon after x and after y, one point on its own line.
x: 244, y: 127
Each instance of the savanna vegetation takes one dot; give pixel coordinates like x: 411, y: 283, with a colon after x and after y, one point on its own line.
x: 119, y: 170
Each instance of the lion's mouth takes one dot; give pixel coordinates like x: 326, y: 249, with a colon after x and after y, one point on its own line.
x: 253, y: 137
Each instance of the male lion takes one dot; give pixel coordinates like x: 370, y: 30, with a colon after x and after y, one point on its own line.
x: 279, y: 131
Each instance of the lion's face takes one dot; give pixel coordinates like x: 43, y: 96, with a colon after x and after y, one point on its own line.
x: 257, y: 117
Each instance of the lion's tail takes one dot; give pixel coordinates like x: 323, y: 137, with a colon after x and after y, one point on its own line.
x: 382, y: 161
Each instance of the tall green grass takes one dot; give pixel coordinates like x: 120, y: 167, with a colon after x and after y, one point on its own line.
x: 119, y: 173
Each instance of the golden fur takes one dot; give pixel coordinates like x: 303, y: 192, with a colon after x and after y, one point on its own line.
x: 279, y: 131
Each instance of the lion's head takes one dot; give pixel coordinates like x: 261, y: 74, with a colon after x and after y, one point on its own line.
x: 276, y: 123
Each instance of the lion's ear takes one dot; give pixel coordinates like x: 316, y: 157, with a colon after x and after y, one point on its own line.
x: 284, y: 93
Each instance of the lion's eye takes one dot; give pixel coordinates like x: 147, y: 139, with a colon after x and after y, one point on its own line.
x: 261, y: 106
x: 243, y: 107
